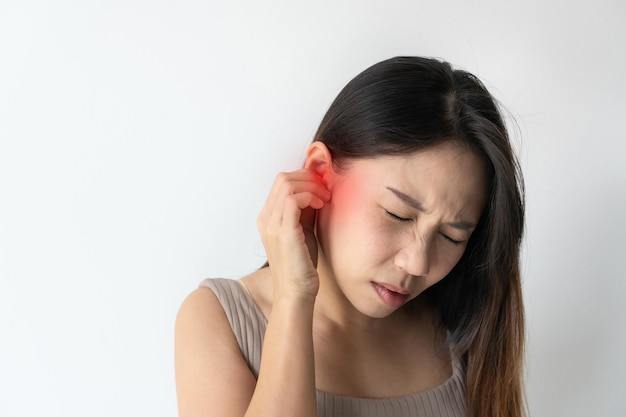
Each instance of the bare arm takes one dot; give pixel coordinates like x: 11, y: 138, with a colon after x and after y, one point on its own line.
x: 212, y: 377
x: 211, y: 374
x: 286, y: 384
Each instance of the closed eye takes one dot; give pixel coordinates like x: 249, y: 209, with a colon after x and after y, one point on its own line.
x: 396, y: 217
x: 453, y: 241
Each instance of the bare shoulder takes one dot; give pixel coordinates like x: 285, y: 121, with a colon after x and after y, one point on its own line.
x: 212, y: 378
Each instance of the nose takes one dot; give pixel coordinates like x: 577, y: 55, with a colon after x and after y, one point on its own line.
x: 414, y: 258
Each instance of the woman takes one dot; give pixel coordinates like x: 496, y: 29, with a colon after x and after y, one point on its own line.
x: 392, y: 286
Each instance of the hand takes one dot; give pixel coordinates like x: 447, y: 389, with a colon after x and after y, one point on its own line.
x: 287, y: 227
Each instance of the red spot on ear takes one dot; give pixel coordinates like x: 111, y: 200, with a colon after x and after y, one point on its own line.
x: 321, y: 180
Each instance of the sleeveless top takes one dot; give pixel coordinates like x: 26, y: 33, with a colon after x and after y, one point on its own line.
x: 249, y: 324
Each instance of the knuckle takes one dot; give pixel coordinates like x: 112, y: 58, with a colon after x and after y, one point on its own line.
x: 282, y: 177
x: 286, y: 187
x: 291, y: 200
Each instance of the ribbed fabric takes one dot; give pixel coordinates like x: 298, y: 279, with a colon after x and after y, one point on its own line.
x: 249, y: 324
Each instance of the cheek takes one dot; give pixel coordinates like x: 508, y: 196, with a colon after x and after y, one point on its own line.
x: 446, y: 260
x: 346, y: 196
x: 338, y: 216
x: 338, y: 222
x: 348, y: 224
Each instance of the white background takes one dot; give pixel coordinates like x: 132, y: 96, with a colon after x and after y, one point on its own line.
x: 138, y: 140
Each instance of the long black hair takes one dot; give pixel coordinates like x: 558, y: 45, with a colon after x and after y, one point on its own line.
x: 405, y: 104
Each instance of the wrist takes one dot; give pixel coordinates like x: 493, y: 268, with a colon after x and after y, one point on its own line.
x: 293, y: 299
x: 304, y: 289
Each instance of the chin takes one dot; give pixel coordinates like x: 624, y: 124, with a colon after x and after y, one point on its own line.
x: 380, y: 311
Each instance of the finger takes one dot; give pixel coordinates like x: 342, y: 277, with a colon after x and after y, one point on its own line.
x: 287, y: 226
x: 275, y: 202
x: 294, y: 214
x: 299, y: 181
x: 270, y: 219
x: 273, y: 222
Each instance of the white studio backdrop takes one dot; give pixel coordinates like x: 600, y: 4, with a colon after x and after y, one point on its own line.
x: 138, y: 140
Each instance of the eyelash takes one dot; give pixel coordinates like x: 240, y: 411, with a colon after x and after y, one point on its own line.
x: 404, y: 219
x: 449, y: 239
x: 396, y: 217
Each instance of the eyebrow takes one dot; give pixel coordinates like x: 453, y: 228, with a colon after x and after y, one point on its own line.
x: 412, y: 202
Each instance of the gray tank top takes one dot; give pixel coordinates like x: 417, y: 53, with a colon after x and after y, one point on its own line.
x: 249, y: 324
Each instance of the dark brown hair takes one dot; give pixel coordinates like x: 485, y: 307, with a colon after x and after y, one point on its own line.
x: 405, y: 104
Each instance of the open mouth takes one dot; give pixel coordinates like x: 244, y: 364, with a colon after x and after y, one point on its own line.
x: 390, y: 297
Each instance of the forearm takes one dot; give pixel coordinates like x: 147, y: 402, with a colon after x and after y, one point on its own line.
x: 286, y: 383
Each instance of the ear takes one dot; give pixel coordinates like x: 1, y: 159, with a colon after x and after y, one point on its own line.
x: 320, y: 161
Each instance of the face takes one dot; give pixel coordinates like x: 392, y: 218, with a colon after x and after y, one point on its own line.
x: 398, y: 224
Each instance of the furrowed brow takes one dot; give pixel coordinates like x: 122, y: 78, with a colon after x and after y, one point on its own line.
x: 461, y: 225
x: 408, y: 200
x: 411, y: 202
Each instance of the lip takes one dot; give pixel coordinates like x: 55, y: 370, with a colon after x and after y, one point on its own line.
x: 390, y: 294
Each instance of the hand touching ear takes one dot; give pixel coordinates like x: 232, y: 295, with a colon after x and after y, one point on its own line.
x: 287, y: 224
